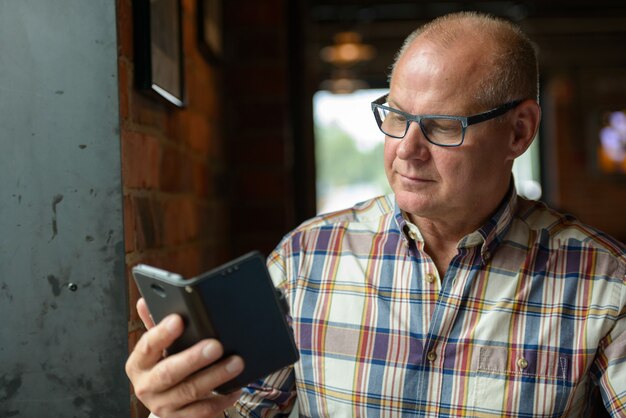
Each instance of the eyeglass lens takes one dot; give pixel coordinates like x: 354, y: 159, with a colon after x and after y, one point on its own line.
x: 438, y: 130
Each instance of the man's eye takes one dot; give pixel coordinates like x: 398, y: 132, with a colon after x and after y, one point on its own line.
x: 444, y: 130
x: 396, y: 118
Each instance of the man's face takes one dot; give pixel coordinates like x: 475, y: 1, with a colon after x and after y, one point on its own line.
x: 436, y: 182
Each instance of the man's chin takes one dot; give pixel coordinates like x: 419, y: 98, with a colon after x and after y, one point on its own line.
x: 417, y: 204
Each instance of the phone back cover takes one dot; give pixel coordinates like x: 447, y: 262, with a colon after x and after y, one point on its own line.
x: 174, y: 299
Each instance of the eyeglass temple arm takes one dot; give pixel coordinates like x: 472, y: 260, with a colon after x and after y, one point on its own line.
x: 493, y: 113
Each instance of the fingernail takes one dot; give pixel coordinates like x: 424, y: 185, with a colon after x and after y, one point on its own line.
x: 234, y: 365
x: 209, y: 350
x: 171, y: 323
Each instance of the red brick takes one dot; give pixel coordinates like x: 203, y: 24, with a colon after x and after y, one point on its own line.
x: 194, y: 130
x: 207, y: 88
x: 180, y: 221
x: 202, y: 186
x: 177, y: 126
x: 124, y: 77
x: 141, y: 156
x: 185, y: 260
x: 198, y: 137
x: 148, y: 109
x: 188, y: 27
x: 129, y: 225
x: 124, y: 28
x: 148, y: 224
x: 133, y: 297
x: 175, y: 173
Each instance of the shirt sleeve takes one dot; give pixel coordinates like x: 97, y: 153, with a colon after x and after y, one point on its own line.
x: 609, y: 367
x: 274, y: 395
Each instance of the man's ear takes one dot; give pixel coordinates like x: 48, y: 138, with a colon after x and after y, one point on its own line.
x: 525, y: 119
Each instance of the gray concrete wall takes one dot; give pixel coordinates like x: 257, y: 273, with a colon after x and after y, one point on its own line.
x: 63, y: 310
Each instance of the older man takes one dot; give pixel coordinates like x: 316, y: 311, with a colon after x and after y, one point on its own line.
x: 451, y: 297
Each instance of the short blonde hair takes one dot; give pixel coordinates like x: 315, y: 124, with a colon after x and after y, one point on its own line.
x: 514, y: 70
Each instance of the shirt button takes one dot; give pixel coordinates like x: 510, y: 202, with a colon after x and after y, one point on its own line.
x: 432, y: 356
x: 430, y: 278
x: 486, y: 256
x: 522, y: 363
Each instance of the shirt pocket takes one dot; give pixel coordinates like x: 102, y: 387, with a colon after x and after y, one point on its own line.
x: 511, y: 382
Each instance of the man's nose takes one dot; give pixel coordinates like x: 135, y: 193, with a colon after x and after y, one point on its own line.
x: 414, y: 144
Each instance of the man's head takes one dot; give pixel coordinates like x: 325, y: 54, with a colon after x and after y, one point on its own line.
x: 460, y: 65
x: 514, y: 69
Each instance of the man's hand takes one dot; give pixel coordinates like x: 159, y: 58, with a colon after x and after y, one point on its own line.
x: 173, y: 386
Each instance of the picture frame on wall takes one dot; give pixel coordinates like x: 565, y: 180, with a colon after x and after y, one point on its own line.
x: 158, y: 49
x: 210, y: 37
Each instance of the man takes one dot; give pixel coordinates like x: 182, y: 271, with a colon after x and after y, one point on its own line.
x: 451, y: 297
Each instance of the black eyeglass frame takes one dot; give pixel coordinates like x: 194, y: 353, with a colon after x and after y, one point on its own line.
x: 465, y: 120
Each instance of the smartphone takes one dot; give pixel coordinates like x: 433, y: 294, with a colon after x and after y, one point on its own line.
x: 235, y: 303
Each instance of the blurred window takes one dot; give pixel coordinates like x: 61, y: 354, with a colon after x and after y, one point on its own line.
x: 348, y: 149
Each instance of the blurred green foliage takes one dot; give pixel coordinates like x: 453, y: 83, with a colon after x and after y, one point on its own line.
x: 340, y: 162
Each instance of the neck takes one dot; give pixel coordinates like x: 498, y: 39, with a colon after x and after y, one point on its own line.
x: 440, y: 240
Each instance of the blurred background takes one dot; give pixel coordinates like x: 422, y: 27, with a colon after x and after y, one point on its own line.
x: 185, y: 133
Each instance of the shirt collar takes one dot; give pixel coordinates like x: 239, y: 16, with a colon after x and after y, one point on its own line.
x: 490, y: 235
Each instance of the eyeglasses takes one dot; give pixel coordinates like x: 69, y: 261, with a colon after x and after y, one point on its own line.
x: 442, y: 130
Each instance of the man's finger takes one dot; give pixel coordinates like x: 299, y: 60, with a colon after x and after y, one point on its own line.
x: 176, y: 368
x: 149, y: 348
x: 144, y: 313
x: 202, y: 384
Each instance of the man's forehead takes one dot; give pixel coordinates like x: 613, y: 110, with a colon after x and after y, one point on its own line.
x: 426, y: 66
x: 422, y: 58
x: 461, y: 54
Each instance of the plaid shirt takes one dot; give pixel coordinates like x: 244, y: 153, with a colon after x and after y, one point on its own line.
x: 529, y: 319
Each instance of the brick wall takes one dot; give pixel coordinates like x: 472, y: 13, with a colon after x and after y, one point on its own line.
x: 212, y: 180
x: 176, y: 213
